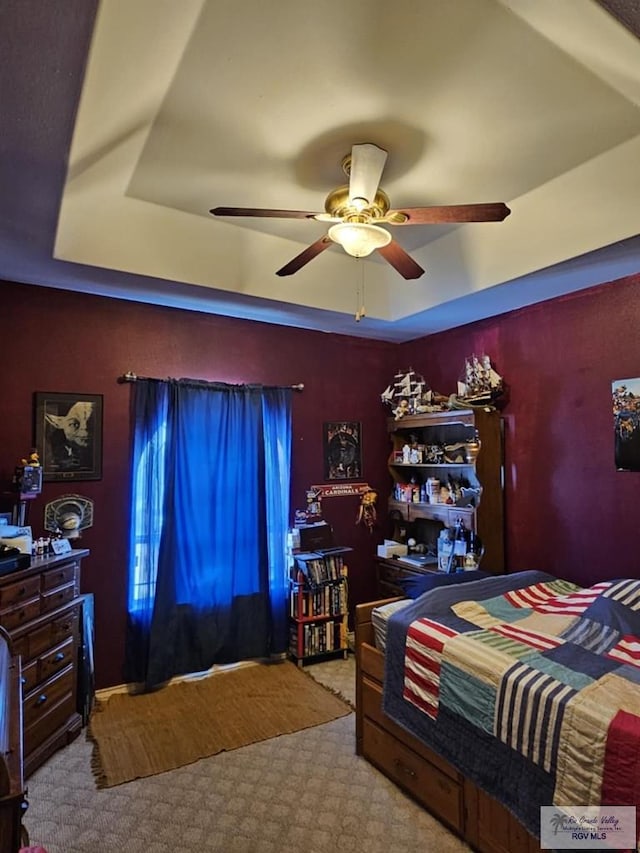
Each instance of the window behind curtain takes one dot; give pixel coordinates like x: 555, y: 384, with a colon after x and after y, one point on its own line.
x: 210, y: 483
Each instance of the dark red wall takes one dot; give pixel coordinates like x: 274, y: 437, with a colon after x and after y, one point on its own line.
x: 61, y: 341
x: 568, y: 511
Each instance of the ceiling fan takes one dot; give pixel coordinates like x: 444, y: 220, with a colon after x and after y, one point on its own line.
x: 358, y: 210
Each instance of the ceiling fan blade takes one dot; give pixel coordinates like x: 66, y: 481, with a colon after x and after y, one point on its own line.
x: 367, y: 164
x: 269, y: 213
x: 400, y: 260
x: 490, y: 212
x: 304, y: 257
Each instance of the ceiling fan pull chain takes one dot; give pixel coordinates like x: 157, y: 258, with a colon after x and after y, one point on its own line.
x: 360, y: 312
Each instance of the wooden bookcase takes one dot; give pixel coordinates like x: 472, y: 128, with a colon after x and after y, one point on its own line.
x: 318, y: 607
x: 483, y: 472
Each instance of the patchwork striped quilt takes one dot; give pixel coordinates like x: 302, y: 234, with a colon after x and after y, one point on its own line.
x: 547, y: 672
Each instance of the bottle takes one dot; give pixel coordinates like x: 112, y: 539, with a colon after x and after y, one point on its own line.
x: 474, y: 551
x: 459, y: 546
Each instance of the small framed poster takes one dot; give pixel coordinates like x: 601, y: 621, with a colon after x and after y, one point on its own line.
x: 626, y: 423
x: 342, y: 450
x: 68, y: 435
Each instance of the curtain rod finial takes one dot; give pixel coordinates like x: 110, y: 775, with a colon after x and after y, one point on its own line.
x: 298, y: 387
x: 129, y: 376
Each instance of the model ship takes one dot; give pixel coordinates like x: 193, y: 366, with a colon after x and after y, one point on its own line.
x: 480, y: 383
x: 408, y: 393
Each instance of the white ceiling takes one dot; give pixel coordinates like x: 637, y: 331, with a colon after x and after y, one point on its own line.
x: 190, y: 105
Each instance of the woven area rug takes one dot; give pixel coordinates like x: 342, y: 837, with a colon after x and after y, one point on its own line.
x: 142, y: 735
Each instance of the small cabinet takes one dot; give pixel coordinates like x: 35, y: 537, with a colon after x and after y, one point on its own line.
x: 453, y: 469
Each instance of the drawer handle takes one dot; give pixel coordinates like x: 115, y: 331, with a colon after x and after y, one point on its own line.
x: 59, y: 656
x: 22, y: 614
x: 42, y: 698
x: 66, y: 626
x: 406, y: 770
x: 22, y: 590
x: 23, y: 680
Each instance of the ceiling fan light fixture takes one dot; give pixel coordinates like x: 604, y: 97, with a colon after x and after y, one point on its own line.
x: 359, y: 239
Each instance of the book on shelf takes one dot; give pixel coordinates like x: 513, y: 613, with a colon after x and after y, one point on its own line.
x: 318, y: 639
x: 318, y: 601
x: 318, y: 567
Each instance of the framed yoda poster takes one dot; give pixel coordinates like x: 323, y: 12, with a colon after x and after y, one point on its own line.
x: 68, y: 435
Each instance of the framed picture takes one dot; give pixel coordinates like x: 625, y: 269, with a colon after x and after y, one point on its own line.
x: 342, y: 450
x: 626, y: 423
x: 68, y: 435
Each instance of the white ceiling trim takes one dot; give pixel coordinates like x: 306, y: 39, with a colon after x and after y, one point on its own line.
x: 101, y: 226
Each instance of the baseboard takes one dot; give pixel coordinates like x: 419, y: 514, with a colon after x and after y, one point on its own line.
x: 104, y: 693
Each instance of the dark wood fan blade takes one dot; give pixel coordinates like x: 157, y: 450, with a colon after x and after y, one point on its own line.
x: 269, y: 213
x: 491, y: 212
x: 304, y: 257
x: 400, y: 260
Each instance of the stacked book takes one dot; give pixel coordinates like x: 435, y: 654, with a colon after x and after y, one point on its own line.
x: 321, y: 566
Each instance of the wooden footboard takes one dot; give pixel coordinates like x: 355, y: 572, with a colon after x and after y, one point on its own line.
x: 475, y: 816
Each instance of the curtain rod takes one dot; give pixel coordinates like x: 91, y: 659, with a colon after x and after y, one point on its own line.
x: 130, y: 376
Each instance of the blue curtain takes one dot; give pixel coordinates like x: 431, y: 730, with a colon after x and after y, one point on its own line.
x: 210, y: 511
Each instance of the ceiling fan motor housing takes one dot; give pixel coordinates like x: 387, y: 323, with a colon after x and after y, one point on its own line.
x: 339, y: 206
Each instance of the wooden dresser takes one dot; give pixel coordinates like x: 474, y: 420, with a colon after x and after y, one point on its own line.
x: 39, y: 608
x: 12, y: 792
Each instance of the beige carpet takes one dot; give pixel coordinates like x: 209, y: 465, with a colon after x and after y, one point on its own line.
x: 137, y: 736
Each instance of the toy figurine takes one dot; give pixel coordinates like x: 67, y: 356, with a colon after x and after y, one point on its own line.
x: 401, y: 409
x: 33, y: 461
x: 367, y: 512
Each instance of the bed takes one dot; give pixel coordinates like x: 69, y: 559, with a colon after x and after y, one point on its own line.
x: 489, y: 698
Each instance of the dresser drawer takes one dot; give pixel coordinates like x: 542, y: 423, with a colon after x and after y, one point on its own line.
x: 47, y: 695
x: 56, y: 659
x: 65, y: 625
x: 392, y: 573
x: 30, y: 677
x: 20, y: 615
x: 440, y: 794
x: 49, y: 634
x: 372, y: 662
x: 372, y: 708
x: 19, y: 592
x: 58, y: 597
x: 59, y: 576
x: 389, y: 590
x: 52, y: 720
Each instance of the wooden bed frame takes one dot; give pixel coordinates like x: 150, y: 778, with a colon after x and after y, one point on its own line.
x: 472, y: 814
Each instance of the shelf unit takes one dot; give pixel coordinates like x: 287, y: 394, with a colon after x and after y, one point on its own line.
x: 483, y: 512
x: 318, y: 607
